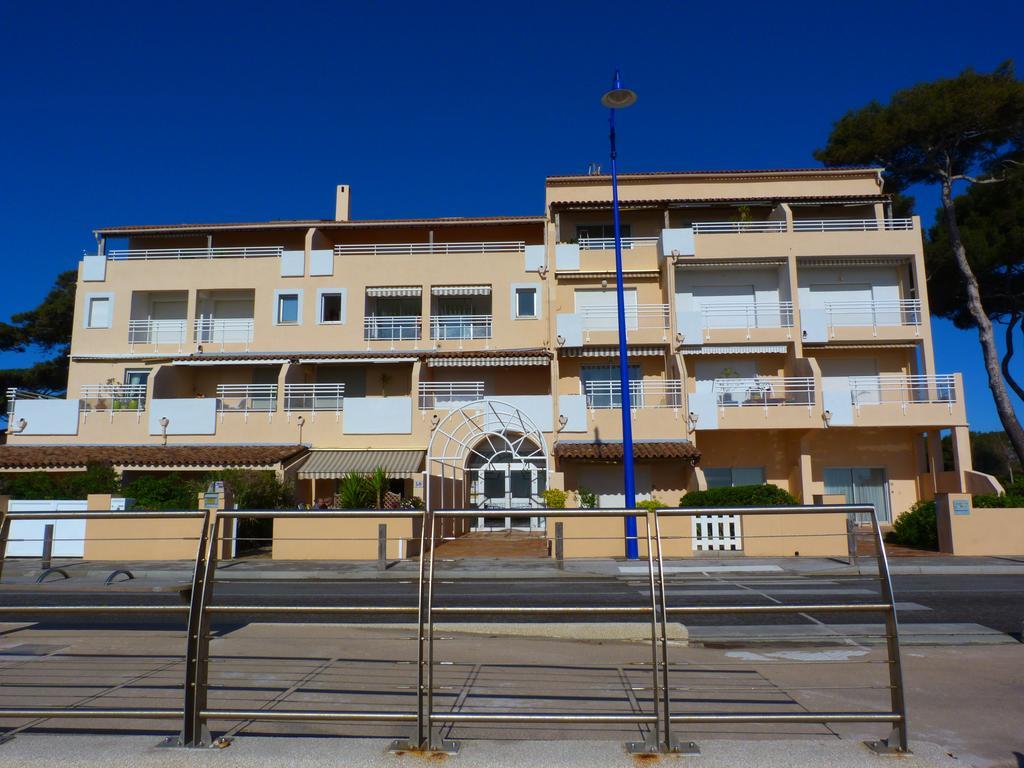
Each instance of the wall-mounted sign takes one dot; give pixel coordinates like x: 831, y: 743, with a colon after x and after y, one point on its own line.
x: 961, y: 506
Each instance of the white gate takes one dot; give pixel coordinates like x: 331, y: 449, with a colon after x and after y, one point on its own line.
x: 26, y: 536
x: 716, y: 533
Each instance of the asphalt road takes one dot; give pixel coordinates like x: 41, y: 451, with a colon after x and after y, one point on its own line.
x: 994, y: 601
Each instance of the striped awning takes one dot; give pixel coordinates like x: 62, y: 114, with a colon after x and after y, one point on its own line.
x: 461, y: 290
x: 401, y: 290
x: 734, y: 349
x: 328, y: 465
x: 852, y: 261
x: 609, y: 351
x: 718, y: 264
x: 487, y: 362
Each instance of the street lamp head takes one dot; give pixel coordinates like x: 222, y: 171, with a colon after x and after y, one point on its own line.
x: 619, y: 98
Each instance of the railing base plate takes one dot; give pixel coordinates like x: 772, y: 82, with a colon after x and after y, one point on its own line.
x: 651, y: 748
x: 883, y: 747
x: 206, y: 741
x: 407, y: 746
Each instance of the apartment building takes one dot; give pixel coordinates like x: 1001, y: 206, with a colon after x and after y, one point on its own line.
x: 777, y: 321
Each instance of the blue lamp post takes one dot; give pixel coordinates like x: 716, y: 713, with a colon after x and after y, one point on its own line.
x: 620, y: 98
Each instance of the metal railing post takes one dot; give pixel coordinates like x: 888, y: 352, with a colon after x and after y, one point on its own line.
x: 897, y: 741
x: 5, y: 530
x: 382, y: 546
x: 47, y: 558
x: 560, y: 545
x: 650, y: 744
x: 851, y: 539
x: 194, y: 731
x: 420, y: 739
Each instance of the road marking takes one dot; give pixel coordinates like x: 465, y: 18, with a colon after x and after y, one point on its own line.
x: 704, y: 569
x: 842, y: 654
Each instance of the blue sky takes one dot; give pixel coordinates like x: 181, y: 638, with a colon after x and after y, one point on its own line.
x: 142, y: 112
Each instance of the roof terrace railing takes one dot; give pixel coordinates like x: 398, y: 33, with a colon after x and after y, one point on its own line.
x: 152, y: 254
x: 608, y: 243
x: 447, y: 395
x: 903, y: 390
x: 246, y: 398
x: 412, y: 249
x: 604, y: 394
x: 719, y: 227
x: 874, y: 313
x: 764, y: 391
x: 803, y: 225
x: 314, y: 397
x: 113, y: 397
x: 777, y: 314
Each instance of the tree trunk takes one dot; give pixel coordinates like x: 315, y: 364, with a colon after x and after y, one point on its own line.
x: 985, y: 335
x: 1009, y: 356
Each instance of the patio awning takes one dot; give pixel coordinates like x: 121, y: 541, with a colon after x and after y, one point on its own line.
x: 399, y: 291
x: 461, y: 290
x: 487, y: 362
x: 609, y: 351
x: 734, y: 349
x: 331, y: 465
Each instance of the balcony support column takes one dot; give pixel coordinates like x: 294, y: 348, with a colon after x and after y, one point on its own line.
x: 806, y: 470
x: 962, y: 454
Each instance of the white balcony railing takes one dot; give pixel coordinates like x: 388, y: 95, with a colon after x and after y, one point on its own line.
x: 902, y: 390
x: 446, y: 395
x: 741, y: 315
x: 608, y: 243
x: 113, y: 397
x: 720, y: 227
x: 246, y: 398
x: 803, y: 225
x: 663, y: 393
x: 391, y: 327
x: 764, y: 391
x: 14, y: 393
x: 874, y: 313
x: 852, y: 225
x: 217, y: 330
x: 314, y: 397
x: 460, y: 327
x: 149, y: 254
x: 157, y: 332
x: 637, y: 316
x: 413, y: 249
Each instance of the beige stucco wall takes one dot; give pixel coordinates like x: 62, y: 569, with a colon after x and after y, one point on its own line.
x: 997, y: 532
x: 341, y: 538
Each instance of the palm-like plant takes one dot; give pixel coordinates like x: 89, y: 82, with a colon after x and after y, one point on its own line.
x: 353, y: 491
x: 377, y: 483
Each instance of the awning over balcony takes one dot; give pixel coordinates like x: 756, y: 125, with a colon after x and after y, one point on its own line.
x: 461, y: 290
x: 610, y: 351
x: 612, y: 451
x: 395, y: 291
x: 487, y: 362
x: 734, y: 349
x: 330, y: 465
x: 186, y: 457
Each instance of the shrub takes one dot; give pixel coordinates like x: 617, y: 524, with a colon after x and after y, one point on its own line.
x: 1006, y: 500
x: 651, y: 504
x: 588, y: 499
x: 554, y: 498
x: 97, y: 478
x: 166, y: 491
x: 354, y: 492
x: 256, y: 488
x: 917, y: 527
x: 766, y: 495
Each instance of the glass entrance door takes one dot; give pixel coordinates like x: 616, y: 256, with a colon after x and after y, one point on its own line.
x: 861, y: 485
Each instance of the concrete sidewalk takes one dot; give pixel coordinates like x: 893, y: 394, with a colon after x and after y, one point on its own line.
x: 25, y: 571
x: 45, y: 751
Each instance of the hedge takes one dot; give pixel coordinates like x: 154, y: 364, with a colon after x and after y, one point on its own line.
x: 766, y: 495
x: 917, y: 527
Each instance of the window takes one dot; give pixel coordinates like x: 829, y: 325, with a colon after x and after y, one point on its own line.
x: 730, y: 477
x: 526, y: 302
x: 288, y: 309
x: 136, y: 377
x: 494, y: 483
x: 98, y: 312
x: 330, y: 308
x: 594, y: 231
x: 603, y: 389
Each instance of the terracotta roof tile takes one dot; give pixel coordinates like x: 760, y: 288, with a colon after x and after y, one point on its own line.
x: 612, y: 451
x: 77, y: 456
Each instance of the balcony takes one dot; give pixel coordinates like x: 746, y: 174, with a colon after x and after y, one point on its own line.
x: 741, y: 321
x: 667, y: 393
x: 112, y: 398
x: 154, y: 254
x: 649, y: 322
x: 850, y: 320
x: 777, y: 402
x: 224, y: 331
x: 246, y: 398
x: 170, y: 333
x: 803, y: 225
x: 608, y: 243
x: 314, y: 398
x: 891, y: 400
x: 448, y: 395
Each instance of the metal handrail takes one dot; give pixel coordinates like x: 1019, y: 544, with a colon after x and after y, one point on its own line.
x: 448, y: 394
x: 112, y: 397
x: 608, y: 243
x: 764, y: 391
x: 777, y: 314
x: 314, y: 397
x: 719, y: 227
x: 852, y: 225
x: 447, y: 327
x: 660, y: 393
x: 412, y: 249
x: 130, y: 254
x: 855, y: 314
x: 902, y: 389
x: 157, y: 331
x: 246, y: 398
x: 391, y: 327
x: 637, y: 316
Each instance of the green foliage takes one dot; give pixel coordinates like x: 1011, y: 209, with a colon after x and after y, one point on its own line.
x: 256, y: 489
x: 165, y: 491
x: 412, y: 502
x: 917, y: 527
x: 377, y: 484
x: 554, y: 498
x: 1014, y: 500
x: 588, y: 499
x: 651, y: 504
x: 764, y: 495
x: 353, y: 492
x: 47, y: 327
x: 97, y: 478
x: 931, y: 131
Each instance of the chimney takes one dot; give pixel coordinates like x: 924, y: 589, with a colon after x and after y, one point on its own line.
x: 342, y: 202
